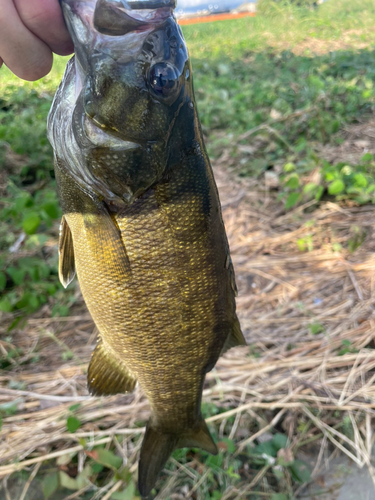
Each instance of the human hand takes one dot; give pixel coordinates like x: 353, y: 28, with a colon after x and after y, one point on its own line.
x: 30, y: 30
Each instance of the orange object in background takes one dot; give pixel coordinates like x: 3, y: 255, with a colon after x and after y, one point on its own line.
x: 214, y: 17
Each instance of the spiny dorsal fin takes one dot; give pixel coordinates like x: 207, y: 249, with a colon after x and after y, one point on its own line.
x: 106, y: 375
x: 232, y: 276
x: 235, y: 339
x: 66, y: 254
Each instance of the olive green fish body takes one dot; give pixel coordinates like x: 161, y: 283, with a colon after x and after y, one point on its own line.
x: 157, y: 282
x: 142, y: 224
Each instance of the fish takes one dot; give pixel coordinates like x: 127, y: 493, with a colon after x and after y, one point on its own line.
x: 142, y: 226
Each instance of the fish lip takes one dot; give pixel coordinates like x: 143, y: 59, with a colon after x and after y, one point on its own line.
x: 101, y: 138
x: 80, y: 18
x: 162, y: 8
x: 150, y: 4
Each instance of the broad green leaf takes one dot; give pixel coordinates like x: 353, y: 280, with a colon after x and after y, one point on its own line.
x: 228, y: 445
x: 65, y: 459
x: 28, y: 301
x: 280, y: 441
x: 75, y: 407
x: 23, y: 200
x: 215, y: 460
x: 31, y: 223
x: 336, y: 187
x: 330, y: 176
x: 50, y: 484
x: 319, y: 193
x: 16, y: 274
x: 10, y: 408
x: 126, y: 494
x: 278, y: 496
x: 300, y: 471
x: 292, y: 200
x: 52, y: 210
x: 73, y: 424
x: 96, y: 468
x: 360, y: 180
x: 367, y: 157
x: 266, y: 448
x: 106, y: 457
x: 5, y: 305
x: 292, y: 182
x: 67, y: 482
x: 289, y: 167
x: 316, y: 328
x: 310, y: 188
x: 83, y: 477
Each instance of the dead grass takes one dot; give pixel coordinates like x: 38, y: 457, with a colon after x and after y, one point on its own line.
x: 287, y: 373
x: 357, y: 39
x: 357, y: 139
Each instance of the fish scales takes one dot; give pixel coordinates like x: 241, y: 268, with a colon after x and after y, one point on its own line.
x: 166, y: 233
x: 142, y: 224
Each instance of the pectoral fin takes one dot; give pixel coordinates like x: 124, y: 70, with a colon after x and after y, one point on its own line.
x: 106, y: 375
x: 235, y: 338
x: 66, y: 255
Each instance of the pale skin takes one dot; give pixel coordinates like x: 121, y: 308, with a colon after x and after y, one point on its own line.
x: 30, y: 32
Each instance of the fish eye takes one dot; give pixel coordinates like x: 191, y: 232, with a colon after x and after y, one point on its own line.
x: 163, y: 79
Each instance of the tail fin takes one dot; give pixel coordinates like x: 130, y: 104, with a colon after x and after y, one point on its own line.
x: 199, y: 437
x: 155, y: 451
x: 158, y: 446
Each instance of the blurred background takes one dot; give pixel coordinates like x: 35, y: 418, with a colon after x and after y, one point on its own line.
x: 285, y: 93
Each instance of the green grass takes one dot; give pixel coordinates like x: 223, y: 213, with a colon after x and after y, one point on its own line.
x: 254, y: 74
x: 284, y: 27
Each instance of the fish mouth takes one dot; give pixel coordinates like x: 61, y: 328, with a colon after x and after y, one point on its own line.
x: 150, y: 4
x: 118, y: 17
x: 116, y: 28
x: 100, y: 138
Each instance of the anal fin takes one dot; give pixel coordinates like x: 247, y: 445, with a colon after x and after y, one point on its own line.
x: 235, y: 338
x: 66, y: 254
x: 106, y: 375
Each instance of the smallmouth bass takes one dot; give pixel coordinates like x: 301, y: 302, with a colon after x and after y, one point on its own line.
x: 142, y: 224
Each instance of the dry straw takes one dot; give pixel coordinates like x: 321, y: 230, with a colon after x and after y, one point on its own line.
x: 308, y: 317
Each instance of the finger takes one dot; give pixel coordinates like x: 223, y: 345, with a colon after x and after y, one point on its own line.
x: 24, y: 53
x: 44, y: 19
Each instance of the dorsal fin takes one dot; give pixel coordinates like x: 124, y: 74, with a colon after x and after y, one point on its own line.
x: 235, y: 338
